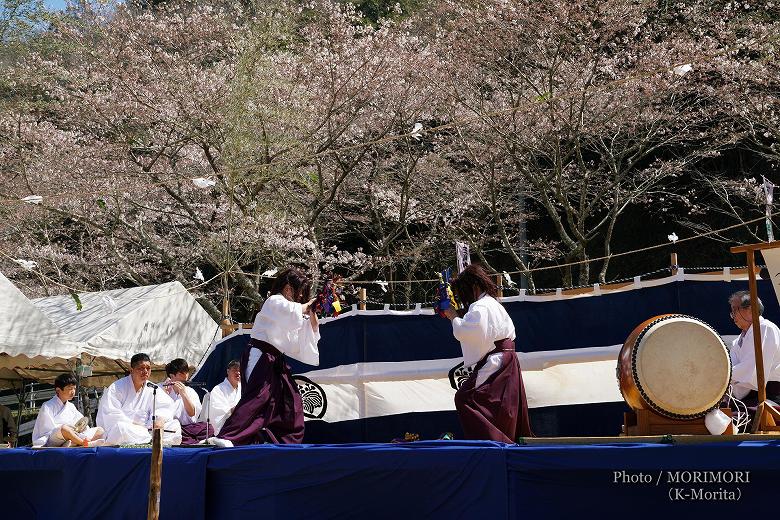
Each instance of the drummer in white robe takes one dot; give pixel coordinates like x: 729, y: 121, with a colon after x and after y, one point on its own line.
x: 126, y: 408
x: 743, y: 357
x: 220, y: 403
x: 59, y: 423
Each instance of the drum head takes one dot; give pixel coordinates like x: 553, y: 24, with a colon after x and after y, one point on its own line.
x: 681, y: 367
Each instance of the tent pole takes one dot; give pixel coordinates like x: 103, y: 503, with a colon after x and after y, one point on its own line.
x: 21, y: 395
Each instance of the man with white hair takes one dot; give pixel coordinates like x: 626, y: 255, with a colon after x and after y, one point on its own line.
x: 744, y: 383
x: 224, y: 397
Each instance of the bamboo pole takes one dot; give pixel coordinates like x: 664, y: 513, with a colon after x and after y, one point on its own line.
x: 674, y: 263
x: 155, y: 480
x: 499, y: 285
x: 362, y: 298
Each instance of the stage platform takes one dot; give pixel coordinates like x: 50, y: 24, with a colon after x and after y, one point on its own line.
x: 655, y: 477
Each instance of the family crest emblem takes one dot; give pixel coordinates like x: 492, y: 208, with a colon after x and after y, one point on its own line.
x: 458, y: 375
x: 315, y: 402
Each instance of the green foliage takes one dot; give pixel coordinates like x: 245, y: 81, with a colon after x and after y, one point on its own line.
x: 76, y: 299
x: 375, y: 10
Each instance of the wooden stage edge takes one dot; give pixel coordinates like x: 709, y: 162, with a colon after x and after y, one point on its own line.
x: 647, y: 439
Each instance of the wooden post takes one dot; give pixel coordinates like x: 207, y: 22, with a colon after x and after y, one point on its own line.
x: 225, y: 308
x: 362, y: 298
x: 155, y: 476
x: 499, y: 284
x: 674, y: 263
x: 758, y: 348
x: 227, y: 327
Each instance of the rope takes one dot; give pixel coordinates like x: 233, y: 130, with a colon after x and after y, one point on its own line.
x: 83, y: 291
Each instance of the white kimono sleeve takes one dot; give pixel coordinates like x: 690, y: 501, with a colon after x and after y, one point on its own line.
x: 472, y: 332
x: 44, y: 426
x: 308, y: 350
x: 182, y: 411
x: 291, y: 332
x: 110, y: 410
x: 220, y: 408
x: 166, y: 407
x: 743, y: 372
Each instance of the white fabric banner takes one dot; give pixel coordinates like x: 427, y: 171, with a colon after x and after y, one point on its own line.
x: 772, y: 259
x: 463, y: 255
x: 363, y: 390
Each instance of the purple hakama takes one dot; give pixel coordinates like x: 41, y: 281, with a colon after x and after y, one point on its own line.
x: 195, y: 432
x: 497, y: 410
x: 269, y: 400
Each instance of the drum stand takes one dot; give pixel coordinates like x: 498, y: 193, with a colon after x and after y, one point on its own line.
x: 767, y: 418
x: 648, y: 422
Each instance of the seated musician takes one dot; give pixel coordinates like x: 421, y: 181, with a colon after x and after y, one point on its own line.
x: 744, y: 384
x: 59, y: 423
x: 187, y: 402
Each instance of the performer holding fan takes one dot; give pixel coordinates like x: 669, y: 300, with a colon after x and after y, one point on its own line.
x: 328, y: 302
x: 491, y: 403
x: 444, y: 297
x: 270, y: 408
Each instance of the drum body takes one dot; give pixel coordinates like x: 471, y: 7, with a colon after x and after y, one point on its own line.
x: 675, y: 365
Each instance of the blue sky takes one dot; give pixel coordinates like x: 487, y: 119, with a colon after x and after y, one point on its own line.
x: 55, y: 4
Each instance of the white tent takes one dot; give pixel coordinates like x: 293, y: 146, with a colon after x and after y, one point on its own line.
x: 164, y: 321
x: 27, y: 336
x: 42, y: 337
x: 25, y: 329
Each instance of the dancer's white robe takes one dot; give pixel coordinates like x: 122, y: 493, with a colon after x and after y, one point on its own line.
x: 126, y: 415
x: 485, y: 323
x: 281, y: 323
x: 53, y: 415
x: 221, y: 401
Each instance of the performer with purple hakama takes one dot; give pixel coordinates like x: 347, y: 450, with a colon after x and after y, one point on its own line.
x: 270, y: 408
x: 491, y: 403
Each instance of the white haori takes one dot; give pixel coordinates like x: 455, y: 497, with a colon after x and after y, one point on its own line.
x: 181, y: 412
x: 282, y: 324
x: 51, y: 417
x: 485, y: 323
x: 126, y: 415
x: 743, y: 358
x: 221, y: 402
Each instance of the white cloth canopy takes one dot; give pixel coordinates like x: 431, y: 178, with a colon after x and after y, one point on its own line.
x: 42, y: 337
x: 163, y: 321
x: 25, y: 329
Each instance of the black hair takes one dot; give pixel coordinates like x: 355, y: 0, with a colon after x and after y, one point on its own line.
x: 176, y: 366
x: 234, y: 363
x: 471, y: 282
x: 297, y: 280
x: 139, y: 358
x: 63, y: 380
